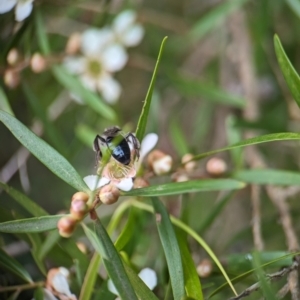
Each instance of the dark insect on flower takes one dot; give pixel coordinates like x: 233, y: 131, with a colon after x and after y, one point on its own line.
x: 118, y: 144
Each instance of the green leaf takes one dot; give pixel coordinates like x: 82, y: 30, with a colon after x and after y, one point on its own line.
x: 90, y: 278
x: 90, y: 98
x: 193, y: 234
x: 4, y: 103
x: 197, y: 88
x: 41, y: 33
x: 39, y: 224
x: 13, y: 266
x: 28, y: 204
x: 51, y: 240
x: 127, y: 231
x: 284, y: 136
x: 111, y: 259
x: 171, y: 248
x: 142, y: 291
x: 39, y: 294
x: 268, y: 176
x: 291, y: 76
x: 45, y: 153
x: 142, y: 123
x: 191, y: 278
x: 175, y: 188
x: 295, y: 6
x: 214, y: 18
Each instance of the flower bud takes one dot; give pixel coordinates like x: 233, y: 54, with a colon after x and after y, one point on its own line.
x: 159, y: 162
x: 180, y: 177
x: 13, y: 57
x: 78, y: 209
x: 140, y: 182
x: 11, y: 78
x: 189, y: 165
x: 82, y: 247
x: 80, y: 196
x: 74, y: 43
x: 216, y: 166
x: 38, y: 63
x: 66, y: 226
x: 109, y: 194
x: 204, y: 269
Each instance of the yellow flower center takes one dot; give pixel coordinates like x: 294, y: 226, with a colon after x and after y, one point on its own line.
x: 94, y: 67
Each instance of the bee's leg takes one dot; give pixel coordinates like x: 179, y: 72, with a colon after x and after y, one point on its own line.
x: 130, y: 137
x: 96, y: 147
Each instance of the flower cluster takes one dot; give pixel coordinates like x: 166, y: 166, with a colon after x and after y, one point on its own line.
x: 102, y: 52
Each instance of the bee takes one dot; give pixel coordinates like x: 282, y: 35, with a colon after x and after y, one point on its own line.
x: 118, y: 144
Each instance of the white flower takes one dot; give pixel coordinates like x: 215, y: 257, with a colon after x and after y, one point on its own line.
x: 100, y: 57
x: 118, y: 174
x: 23, y: 8
x: 147, y: 275
x: 126, y: 31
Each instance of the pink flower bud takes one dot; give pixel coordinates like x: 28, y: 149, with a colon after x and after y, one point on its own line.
x: 189, y: 165
x: 11, y: 78
x: 205, y: 268
x: 66, y: 226
x: 13, y: 57
x: 140, y: 182
x: 216, y: 166
x: 159, y: 162
x: 78, y: 209
x: 109, y: 194
x: 74, y: 43
x: 80, y: 196
x: 38, y: 63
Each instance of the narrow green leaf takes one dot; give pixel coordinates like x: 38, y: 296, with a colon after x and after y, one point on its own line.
x: 39, y: 294
x: 127, y: 231
x: 4, y: 103
x: 197, y: 88
x: 111, y: 259
x: 268, y: 176
x: 295, y: 6
x: 193, y: 234
x: 41, y: 33
x: 284, y: 136
x: 45, y: 153
x: 39, y: 224
x: 142, y: 123
x: 171, y: 248
x: 214, y: 18
x: 142, y: 291
x: 191, y: 278
x: 51, y: 239
x: 90, y: 278
x: 90, y: 98
x: 211, y: 216
x: 291, y: 76
x: 28, y: 204
x: 13, y: 266
x: 175, y: 188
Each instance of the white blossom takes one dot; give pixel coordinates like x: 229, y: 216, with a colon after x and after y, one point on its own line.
x: 100, y: 58
x: 147, y: 275
x: 23, y: 8
x: 126, y: 31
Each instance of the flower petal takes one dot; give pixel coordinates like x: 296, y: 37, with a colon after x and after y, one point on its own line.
x: 94, y: 182
x: 123, y: 21
x: 75, y: 65
x: 132, y: 36
x: 110, y: 89
x: 60, y: 284
x: 94, y: 40
x: 89, y: 82
x: 148, y: 143
x: 149, y: 277
x: 125, y: 184
x: 114, y: 58
x: 23, y: 9
x: 6, y: 5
